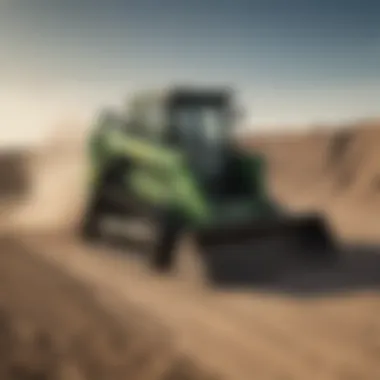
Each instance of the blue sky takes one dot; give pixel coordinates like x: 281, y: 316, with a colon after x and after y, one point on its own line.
x: 292, y: 61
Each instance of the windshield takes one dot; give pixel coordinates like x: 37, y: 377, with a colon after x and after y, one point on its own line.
x: 202, y: 123
x: 201, y: 130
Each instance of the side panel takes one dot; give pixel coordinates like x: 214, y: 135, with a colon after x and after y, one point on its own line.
x: 158, y: 175
x: 151, y: 175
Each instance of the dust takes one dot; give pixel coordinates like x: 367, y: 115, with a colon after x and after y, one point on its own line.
x: 55, y: 175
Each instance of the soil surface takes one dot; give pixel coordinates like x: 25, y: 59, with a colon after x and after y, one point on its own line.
x: 315, y: 324
x: 53, y: 327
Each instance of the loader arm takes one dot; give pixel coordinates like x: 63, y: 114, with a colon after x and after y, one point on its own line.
x: 182, y: 192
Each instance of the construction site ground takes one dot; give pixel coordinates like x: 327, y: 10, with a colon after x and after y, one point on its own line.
x: 73, y: 311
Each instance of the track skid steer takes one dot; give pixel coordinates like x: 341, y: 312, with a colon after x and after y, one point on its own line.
x: 173, y: 163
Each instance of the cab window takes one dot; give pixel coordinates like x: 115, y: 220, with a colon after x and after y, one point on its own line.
x: 147, y: 120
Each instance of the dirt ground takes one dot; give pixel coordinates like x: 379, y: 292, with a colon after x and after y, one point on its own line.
x: 127, y: 323
x: 52, y: 327
x: 69, y: 311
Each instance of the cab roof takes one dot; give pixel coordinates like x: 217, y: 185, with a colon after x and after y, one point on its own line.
x: 182, y: 91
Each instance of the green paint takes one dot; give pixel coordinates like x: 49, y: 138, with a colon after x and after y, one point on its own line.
x: 141, y: 150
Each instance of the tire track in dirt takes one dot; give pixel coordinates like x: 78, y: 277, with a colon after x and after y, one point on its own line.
x: 270, y: 337
x: 51, y: 327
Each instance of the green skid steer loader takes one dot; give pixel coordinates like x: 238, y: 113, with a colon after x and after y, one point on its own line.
x: 171, y: 164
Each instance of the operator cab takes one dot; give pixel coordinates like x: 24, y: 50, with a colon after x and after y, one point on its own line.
x: 200, y: 123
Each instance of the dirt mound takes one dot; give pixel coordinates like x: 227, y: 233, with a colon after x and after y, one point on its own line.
x: 296, y: 164
x: 357, y: 161
x: 337, y: 171
x: 52, y: 327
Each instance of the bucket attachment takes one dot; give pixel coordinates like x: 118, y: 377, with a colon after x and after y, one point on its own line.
x: 308, y: 232
x: 266, y: 247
